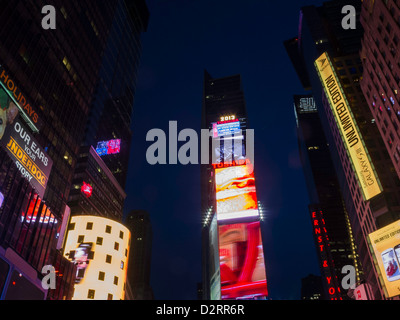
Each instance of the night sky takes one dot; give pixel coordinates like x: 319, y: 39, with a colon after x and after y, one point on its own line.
x: 225, y: 37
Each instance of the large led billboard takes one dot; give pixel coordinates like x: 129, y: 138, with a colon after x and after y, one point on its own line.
x: 235, y: 192
x: 17, y: 103
x: 108, y: 147
x: 385, y: 247
x: 242, y: 267
x: 29, y: 157
x: 349, y: 131
x: 223, y: 128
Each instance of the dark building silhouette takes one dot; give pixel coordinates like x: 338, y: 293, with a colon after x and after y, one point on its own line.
x: 325, y: 195
x: 139, y: 266
x: 311, y: 288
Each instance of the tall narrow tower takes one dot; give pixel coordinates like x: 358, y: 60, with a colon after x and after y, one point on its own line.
x: 232, y: 250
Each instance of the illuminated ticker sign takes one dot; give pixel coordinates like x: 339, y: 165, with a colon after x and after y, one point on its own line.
x: 362, y: 166
x: 108, y: 147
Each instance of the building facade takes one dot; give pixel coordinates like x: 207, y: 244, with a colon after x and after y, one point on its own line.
x: 139, y: 269
x: 327, y: 210
x: 352, y: 133
x: 232, y: 249
x: 47, y: 82
x: 99, y: 247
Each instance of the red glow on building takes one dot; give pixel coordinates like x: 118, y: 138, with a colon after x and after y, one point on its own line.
x: 87, y: 189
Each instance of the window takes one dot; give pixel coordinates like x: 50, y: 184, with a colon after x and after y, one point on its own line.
x: 122, y: 265
x: 108, y: 258
x: 99, y: 241
x: 121, y: 234
x: 108, y: 229
x: 116, y: 280
x: 89, y: 226
x: 71, y: 226
x: 81, y: 238
x: 90, y: 294
x: 101, y: 275
x: 116, y: 246
x: 109, y: 296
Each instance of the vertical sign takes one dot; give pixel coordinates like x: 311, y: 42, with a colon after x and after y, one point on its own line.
x: 349, y: 131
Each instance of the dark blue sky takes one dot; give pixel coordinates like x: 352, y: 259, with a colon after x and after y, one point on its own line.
x: 225, y: 37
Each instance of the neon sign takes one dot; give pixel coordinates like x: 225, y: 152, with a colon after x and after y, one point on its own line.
x: 108, y: 147
x: 87, y: 189
x: 322, y: 243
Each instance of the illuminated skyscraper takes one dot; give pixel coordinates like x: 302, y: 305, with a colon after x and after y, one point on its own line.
x: 49, y: 78
x: 370, y: 191
x: 232, y: 249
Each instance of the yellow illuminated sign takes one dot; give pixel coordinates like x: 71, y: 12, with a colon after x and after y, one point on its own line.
x: 349, y: 131
x: 385, y: 245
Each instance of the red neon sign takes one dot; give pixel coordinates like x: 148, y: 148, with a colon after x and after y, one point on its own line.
x: 87, y: 189
x: 322, y: 240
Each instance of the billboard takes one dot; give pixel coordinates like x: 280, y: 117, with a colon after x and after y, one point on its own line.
x: 236, y: 192
x: 385, y: 247
x: 108, y: 147
x: 223, y: 128
x: 358, y: 154
x: 9, y: 88
x: 242, y: 267
x: 29, y: 157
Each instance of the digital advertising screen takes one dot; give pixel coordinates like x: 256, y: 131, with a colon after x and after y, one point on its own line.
x: 108, y: 147
x: 242, y: 266
x: 385, y: 244
x: 223, y: 128
x: 29, y: 157
x: 236, y: 192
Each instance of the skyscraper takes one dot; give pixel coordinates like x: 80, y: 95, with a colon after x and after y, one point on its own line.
x: 100, y: 175
x: 327, y: 211
x: 380, y: 85
x: 330, y: 55
x: 381, y: 70
x: 47, y: 81
x: 232, y: 249
x: 48, y: 84
x: 139, y: 268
